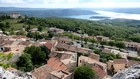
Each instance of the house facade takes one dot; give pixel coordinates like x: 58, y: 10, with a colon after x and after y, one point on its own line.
x: 15, y: 15
x: 118, y: 65
x: 99, y: 67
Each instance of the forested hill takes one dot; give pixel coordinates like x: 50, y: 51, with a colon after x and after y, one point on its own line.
x: 116, y: 32
x: 124, y: 22
x: 121, y: 32
x: 47, y: 12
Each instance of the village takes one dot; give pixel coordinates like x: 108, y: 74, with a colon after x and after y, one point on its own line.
x: 62, y: 67
x: 66, y: 54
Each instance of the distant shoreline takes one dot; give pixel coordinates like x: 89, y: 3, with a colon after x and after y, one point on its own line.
x: 99, y: 17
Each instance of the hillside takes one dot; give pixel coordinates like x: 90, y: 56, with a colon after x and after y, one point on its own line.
x: 15, y: 25
x: 36, y: 12
x: 120, y: 31
x: 124, y: 22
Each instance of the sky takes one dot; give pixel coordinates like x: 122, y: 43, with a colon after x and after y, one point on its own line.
x: 71, y: 3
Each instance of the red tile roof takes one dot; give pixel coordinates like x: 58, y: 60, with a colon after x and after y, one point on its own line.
x: 132, y: 62
x: 52, y: 65
x: 120, y: 61
x: 74, y: 48
x: 62, y: 46
x: 42, y: 72
x: 60, y: 55
x: 57, y: 64
x: 65, y: 56
x: 64, y: 38
x: 100, y: 72
x: 27, y: 43
x: 49, y: 45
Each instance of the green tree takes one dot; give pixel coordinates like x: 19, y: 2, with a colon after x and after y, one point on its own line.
x: 111, y: 43
x: 2, y: 25
x: 7, y: 24
x: 85, y: 39
x: 38, y: 56
x: 40, y: 28
x: 84, y: 72
x: 28, y: 28
x: 50, y: 34
x: 103, y: 43
x: 35, y: 35
x: 135, y: 38
x: 24, y: 63
x: 45, y: 50
x: 118, y: 56
x: 120, y: 45
x: 21, y: 32
x: 92, y: 40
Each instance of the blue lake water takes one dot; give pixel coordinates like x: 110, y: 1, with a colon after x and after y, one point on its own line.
x: 85, y: 17
x: 112, y: 15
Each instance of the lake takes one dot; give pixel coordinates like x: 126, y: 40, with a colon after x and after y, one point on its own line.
x: 112, y: 15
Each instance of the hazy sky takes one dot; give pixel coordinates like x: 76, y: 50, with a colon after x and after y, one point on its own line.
x: 71, y: 3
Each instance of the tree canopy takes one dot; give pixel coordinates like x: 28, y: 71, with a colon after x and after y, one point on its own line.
x: 33, y: 56
x: 25, y: 63
x: 36, y: 53
x: 104, y: 57
x: 84, y: 72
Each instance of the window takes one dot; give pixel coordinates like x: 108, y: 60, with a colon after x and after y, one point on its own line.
x: 80, y: 61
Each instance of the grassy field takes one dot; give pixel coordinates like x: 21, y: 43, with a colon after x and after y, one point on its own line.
x: 15, y: 25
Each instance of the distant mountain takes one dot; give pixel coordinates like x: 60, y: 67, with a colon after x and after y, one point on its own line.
x: 42, y: 12
x: 18, y: 9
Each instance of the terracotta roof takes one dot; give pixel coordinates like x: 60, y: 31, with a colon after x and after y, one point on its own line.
x: 92, y: 61
x: 100, y: 72
x: 25, y: 43
x: 7, y: 42
x: 57, y: 64
x: 65, y: 56
x: 80, y: 49
x: 132, y: 62
x: 73, y: 48
x: 42, y: 72
x: 49, y: 45
x: 64, y: 38
x: 62, y: 55
x: 52, y: 65
x: 120, y: 61
x: 85, y: 50
x: 64, y: 46
x: 94, y: 56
